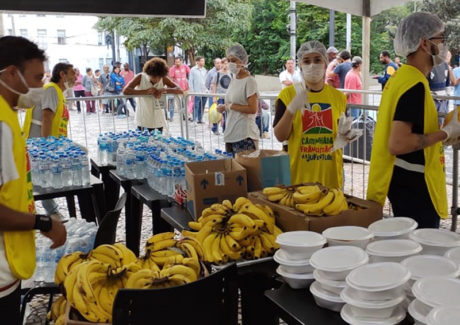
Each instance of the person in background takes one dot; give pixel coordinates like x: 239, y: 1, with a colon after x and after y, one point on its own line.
x: 307, y: 115
x: 342, y: 69
x: 241, y: 131
x: 210, y: 76
x: 104, y: 81
x: 353, y: 81
x: 153, y: 81
x: 50, y: 117
x: 89, y: 82
x: 407, y: 160
x: 390, y: 68
x: 331, y: 78
x: 398, y: 61
x: 117, y: 82
x: 439, y: 79
x: 263, y: 119
x: 78, y: 88
x: 128, y: 75
x: 21, y: 75
x: 456, y: 84
x: 197, y: 84
x: 97, y: 76
x: 179, y: 74
x: 290, y: 75
x: 219, y: 85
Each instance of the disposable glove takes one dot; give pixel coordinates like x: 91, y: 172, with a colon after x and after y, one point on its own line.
x: 452, y: 129
x: 300, y: 99
x: 345, y: 134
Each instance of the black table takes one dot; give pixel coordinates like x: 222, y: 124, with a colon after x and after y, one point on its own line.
x: 143, y: 194
x: 111, y: 188
x: 132, y: 225
x: 299, y: 307
x: 90, y: 198
x: 177, y: 216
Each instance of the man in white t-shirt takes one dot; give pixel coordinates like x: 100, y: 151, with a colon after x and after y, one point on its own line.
x: 290, y: 75
x: 21, y: 75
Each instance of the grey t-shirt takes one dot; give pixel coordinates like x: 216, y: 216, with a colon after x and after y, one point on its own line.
x: 49, y: 101
x: 88, y: 82
x: 223, y: 82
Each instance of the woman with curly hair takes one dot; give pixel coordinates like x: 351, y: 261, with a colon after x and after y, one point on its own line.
x: 152, y: 81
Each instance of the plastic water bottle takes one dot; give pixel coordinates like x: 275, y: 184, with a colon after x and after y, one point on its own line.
x: 85, y: 172
x: 45, y: 172
x: 121, y: 161
x: 110, y: 150
x: 140, y: 164
x: 103, y: 154
x: 56, y: 173
x: 76, y: 170
x: 66, y: 170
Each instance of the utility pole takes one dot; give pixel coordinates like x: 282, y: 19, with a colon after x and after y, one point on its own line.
x: 331, y: 27
x: 2, y: 29
x: 293, y: 30
x: 114, y: 57
x: 348, y: 46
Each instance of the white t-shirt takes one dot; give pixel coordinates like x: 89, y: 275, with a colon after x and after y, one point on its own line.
x: 8, y: 172
x: 150, y: 111
x: 240, y: 126
x: 295, y: 77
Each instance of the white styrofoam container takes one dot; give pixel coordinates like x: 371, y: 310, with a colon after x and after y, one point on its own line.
x: 335, y: 287
x: 435, y: 241
x: 292, y: 266
x: 393, y: 228
x: 326, y: 299
x: 299, y: 245
x: 296, y: 281
x: 392, y: 250
x: 348, y: 235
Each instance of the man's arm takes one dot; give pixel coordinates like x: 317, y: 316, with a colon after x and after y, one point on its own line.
x: 47, y: 121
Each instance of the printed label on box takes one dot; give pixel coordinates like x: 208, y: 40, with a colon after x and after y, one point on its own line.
x: 219, y: 179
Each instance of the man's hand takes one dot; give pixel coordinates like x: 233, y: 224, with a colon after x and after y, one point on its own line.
x: 57, y: 234
x: 452, y: 129
x: 221, y: 108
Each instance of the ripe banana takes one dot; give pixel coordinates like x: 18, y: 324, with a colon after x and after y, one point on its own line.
x: 308, y: 196
x: 66, y: 263
x: 317, y: 207
x: 108, y: 254
x: 239, y: 202
x: 336, y: 206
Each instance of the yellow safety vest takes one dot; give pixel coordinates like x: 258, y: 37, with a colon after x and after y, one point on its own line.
x: 18, y: 195
x: 60, y: 119
x: 382, y: 162
x: 313, y: 136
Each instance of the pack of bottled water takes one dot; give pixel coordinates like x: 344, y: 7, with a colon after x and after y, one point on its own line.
x: 80, y: 237
x: 154, y: 157
x: 57, y: 163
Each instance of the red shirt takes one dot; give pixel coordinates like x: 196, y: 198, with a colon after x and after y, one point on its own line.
x: 127, y: 75
x: 179, y: 75
x: 353, y: 81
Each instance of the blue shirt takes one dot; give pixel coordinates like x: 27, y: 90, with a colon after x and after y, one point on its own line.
x: 342, y: 70
x: 457, y: 87
x: 390, y: 68
x: 118, y: 81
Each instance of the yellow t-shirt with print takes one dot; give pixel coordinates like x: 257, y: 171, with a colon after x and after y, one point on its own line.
x: 312, y: 137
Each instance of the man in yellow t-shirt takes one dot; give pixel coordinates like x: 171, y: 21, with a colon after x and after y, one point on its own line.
x: 21, y: 72
x: 307, y: 115
x: 407, y: 161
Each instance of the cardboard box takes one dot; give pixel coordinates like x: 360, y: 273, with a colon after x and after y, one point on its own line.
x: 265, y: 168
x: 289, y: 219
x: 210, y: 182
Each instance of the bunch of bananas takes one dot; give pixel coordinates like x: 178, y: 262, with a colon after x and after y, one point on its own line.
x: 312, y: 200
x: 281, y: 195
x: 57, y: 309
x: 232, y: 232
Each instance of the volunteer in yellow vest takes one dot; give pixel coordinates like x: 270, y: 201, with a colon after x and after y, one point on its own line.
x: 21, y: 73
x: 309, y: 121
x: 49, y: 116
x: 407, y: 162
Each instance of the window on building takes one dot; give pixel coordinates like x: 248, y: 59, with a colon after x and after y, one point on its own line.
x: 99, y: 38
x: 101, y: 62
x: 61, y: 36
x: 10, y: 31
x: 41, y: 38
x: 108, y: 61
x: 23, y: 32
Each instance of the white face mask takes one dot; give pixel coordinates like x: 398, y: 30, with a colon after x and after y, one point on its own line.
x: 313, y: 72
x: 441, y: 57
x: 32, y: 97
x: 233, y: 68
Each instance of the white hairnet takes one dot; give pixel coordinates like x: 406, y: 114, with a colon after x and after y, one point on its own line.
x: 311, y: 47
x: 413, y: 29
x: 238, y: 51
x: 332, y: 49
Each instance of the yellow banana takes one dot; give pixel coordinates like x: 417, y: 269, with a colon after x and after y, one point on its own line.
x: 196, y: 245
x: 179, y: 279
x: 213, y: 219
x: 227, y: 204
x: 109, y: 254
x: 307, y: 189
x: 208, y: 256
x: 215, y: 250
x: 160, y: 245
x: 257, y: 247
x: 232, y: 243
x: 204, y: 232
x: 60, y: 320
x: 335, y: 207
x: 316, y: 208
x: 165, y: 253
x: 242, y: 219
x: 257, y: 213
x: 188, y: 233
x: 239, y: 202
x: 267, y: 243
x: 192, y: 263
x: 275, y: 197
x: 273, y: 190
x: 66, y: 263
x: 195, y: 225
x: 160, y: 237
x: 180, y: 269
x: 128, y: 255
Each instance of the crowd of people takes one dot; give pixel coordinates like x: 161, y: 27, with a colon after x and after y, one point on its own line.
x: 311, y: 119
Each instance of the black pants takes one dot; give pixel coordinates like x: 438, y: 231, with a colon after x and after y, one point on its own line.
x: 10, y: 308
x: 410, y: 198
x: 79, y: 93
x: 141, y: 128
